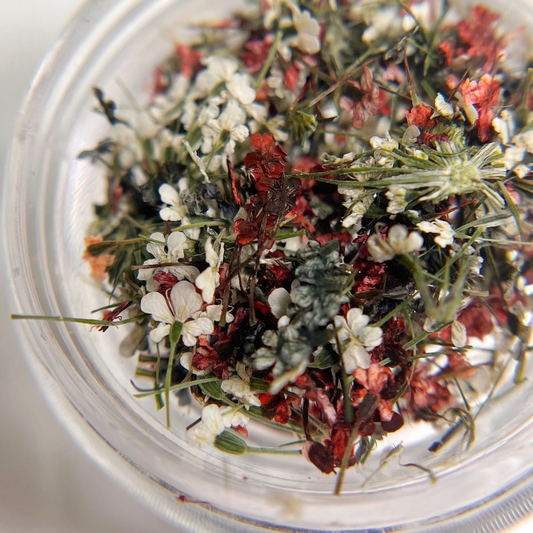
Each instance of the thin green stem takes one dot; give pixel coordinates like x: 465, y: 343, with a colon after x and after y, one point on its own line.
x: 175, y: 336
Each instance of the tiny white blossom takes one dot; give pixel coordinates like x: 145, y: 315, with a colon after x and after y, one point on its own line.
x: 200, y: 436
x: 224, y: 69
x: 239, y: 86
x: 180, y: 305
x: 442, y: 228
x: 382, y: 150
x: 398, y: 242
x: 459, y: 334
x: 214, y: 313
x: 166, y: 250
x: 443, y: 107
x: 279, y: 299
x: 356, y: 337
x: 170, y: 196
x: 422, y: 13
x: 397, y: 199
x: 356, y: 210
x: 383, y: 21
x: 209, y: 279
x: 230, y: 121
x: 241, y: 390
x: 411, y: 134
x: 524, y: 140
x: 504, y: 126
x: 308, y: 31
x: 212, y: 424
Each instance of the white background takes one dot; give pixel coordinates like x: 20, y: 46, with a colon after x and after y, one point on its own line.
x: 47, y: 484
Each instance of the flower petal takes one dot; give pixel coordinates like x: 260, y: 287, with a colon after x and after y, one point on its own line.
x: 279, y: 299
x: 159, y: 333
x: 155, y: 304
x: 353, y: 357
x: 212, y: 418
x: 200, y: 326
x: 356, y: 319
x: 185, y: 300
x: 207, y: 282
x: 169, y: 195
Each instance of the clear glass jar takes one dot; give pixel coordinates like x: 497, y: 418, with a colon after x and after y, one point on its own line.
x: 47, y: 209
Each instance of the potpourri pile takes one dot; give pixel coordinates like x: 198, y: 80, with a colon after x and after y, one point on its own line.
x: 321, y: 221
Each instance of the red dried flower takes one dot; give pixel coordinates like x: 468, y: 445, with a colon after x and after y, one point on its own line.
x: 166, y: 281
x: 369, y: 98
x: 420, y: 116
x: 189, y: 60
x: 256, y: 52
x: 373, y: 380
x: 267, y: 162
x: 321, y: 455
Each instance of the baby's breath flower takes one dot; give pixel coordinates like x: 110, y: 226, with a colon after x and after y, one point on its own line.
x: 226, y: 130
x: 396, y: 195
x: 308, y: 31
x: 356, y: 338
x: 397, y: 242
x: 240, y: 389
x: 383, y: 148
x: 442, y: 228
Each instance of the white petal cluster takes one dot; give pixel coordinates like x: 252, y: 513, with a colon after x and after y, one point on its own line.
x: 443, y: 107
x: 180, y: 304
x: 443, y: 230
x: 214, y: 421
x: 240, y: 389
x: 383, y: 148
x: 175, y: 209
x: 398, y: 242
x: 209, y: 279
x: 224, y: 70
x: 166, y: 250
x: 356, y: 337
x: 230, y: 122
x: 515, y: 153
x: 279, y: 300
x: 308, y: 31
x: 397, y: 196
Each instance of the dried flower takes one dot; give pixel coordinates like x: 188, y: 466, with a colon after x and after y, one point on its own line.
x: 180, y: 305
x: 397, y: 242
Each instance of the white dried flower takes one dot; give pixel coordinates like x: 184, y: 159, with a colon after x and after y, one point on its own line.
x: 459, y: 334
x: 180, y: 305
x: 166, y: 250
x: 356, y: 337
x: 398, y: 242
x: 240, y: 389
x: 396, y: 195
x: 443, y: 230
x: 443, y: 107
x: 175, y: 210
x: 231, y: 121
x: 279, y: 299
x: 209, y: 279
x: 383, y: 148
x: 308, y: 31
